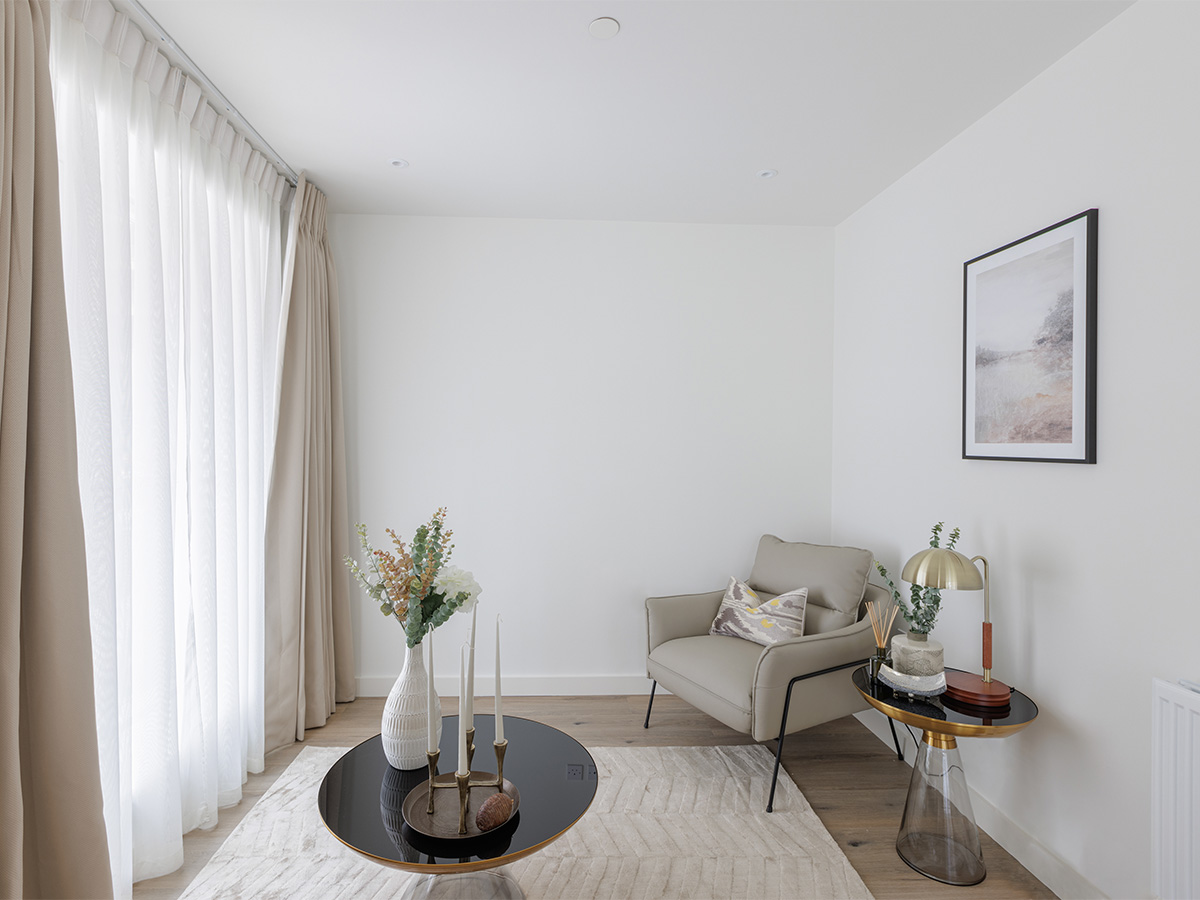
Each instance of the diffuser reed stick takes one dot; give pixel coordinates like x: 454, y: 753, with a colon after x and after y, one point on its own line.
x: 883, y: 616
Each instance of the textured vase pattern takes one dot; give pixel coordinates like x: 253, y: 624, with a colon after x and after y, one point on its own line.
x: 392, y: 792
x: 405, y: 726
x: 917, y: 657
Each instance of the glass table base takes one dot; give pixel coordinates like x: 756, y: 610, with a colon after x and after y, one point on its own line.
x: 942, y: 860
x: 490, y: 884
x: 938, y: 836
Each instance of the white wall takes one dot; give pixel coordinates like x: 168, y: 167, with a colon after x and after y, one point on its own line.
x: 1092, y: 566
x: 609, y: 410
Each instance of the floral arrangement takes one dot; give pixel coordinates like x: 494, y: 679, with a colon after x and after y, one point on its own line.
x: 415, y: 585
x: 926, y: 601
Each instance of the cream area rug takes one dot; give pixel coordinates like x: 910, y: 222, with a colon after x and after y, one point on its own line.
x: 667, y: 822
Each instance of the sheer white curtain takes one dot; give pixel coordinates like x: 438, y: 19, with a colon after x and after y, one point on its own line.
x: 172, y: 241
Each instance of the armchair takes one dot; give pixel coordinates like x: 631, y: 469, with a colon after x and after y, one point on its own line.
x: 776, y: 690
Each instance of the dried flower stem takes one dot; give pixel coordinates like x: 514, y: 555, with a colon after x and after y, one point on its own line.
x: 403, y: 581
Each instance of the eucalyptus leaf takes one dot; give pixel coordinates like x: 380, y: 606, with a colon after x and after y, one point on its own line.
x: 921, y: 610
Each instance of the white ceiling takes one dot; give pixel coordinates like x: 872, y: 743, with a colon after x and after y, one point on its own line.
x: 511, y: 108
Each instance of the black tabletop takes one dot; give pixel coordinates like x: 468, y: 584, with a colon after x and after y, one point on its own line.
x: 361, y: 798
x: 938, y: 714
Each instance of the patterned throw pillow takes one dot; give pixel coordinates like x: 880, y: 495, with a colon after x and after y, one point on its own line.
x: 744, y: 615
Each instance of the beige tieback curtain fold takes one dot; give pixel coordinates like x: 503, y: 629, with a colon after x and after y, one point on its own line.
x: 52, y: 838
x: 309, y: 646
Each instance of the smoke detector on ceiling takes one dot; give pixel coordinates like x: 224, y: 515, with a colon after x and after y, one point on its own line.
x: 604, y: 28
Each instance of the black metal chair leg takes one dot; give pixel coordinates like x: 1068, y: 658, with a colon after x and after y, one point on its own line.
x: 653, y: 685
x: 896, y: 740
x: 787, y: 701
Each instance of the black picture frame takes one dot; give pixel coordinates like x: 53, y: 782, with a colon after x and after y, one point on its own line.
x: 1029, y: 347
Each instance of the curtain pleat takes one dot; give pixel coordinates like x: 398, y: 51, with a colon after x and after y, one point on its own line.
x: 172, y: 231
x: 52, y: 831
x: 310, y: 652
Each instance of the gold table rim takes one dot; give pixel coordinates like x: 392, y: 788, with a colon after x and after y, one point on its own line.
x: 941, y: 726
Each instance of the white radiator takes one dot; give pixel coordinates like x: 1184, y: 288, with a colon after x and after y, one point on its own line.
x: 1175, y: 793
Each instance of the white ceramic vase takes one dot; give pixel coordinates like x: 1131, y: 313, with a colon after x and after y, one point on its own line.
x: 405, y: 726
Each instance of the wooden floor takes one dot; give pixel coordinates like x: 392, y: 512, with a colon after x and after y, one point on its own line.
x: 854, y: 782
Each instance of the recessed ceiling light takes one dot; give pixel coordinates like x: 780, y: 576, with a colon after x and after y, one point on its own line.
x: 400, y: 163
x: 604, y: 28
x: 768, y: 173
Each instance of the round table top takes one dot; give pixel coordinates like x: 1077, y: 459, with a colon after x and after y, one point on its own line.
x: 933, y: 714
x: 361, y: 797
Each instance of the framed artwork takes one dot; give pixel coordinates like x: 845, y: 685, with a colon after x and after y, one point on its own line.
x: 1029, y: 347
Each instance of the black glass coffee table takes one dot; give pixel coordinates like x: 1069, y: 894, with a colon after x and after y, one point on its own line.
x: 361, y: 802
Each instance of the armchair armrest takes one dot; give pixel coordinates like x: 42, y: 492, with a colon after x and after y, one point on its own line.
x: 680, y: 615
x: 815, y: 700
x: 780, y: 663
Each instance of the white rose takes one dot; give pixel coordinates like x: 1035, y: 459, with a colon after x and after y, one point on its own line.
x: 451, y: 581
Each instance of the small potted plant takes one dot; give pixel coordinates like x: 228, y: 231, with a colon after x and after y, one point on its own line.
x: 925, y: 602
x: 918, y: 662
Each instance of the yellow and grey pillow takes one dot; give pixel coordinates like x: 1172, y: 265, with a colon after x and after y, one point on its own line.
x: 744, y: 615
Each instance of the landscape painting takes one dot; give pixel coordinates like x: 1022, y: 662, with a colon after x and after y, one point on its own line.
x: 1029, y: 347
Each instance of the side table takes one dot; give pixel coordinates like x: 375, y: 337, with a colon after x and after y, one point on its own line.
x: 938, y: 835
x: 361, y: 801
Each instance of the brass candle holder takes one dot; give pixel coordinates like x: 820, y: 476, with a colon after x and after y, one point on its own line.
x: 464, y: 783
x: 499, y: 747
x: 464, y: 793
x: 432, y: 756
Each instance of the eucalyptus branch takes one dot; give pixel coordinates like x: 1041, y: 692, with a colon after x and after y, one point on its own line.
x: 924, y: 604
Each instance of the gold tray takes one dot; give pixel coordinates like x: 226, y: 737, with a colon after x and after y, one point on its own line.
x: 444, y: 821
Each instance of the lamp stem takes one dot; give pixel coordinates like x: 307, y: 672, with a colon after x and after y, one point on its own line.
x: 987, y: 621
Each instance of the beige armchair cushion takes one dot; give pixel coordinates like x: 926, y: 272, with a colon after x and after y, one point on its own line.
x: 836, y: 578
x: 712, y: 672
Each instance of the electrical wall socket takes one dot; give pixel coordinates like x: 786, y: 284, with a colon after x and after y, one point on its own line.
x: 574, y: 772
x: 591, y: 772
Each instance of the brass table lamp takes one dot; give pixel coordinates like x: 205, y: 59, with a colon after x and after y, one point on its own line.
x: 939, y: 567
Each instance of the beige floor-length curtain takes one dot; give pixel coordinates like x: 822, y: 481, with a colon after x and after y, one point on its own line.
x: 309, y: 648
x: 52, y: 838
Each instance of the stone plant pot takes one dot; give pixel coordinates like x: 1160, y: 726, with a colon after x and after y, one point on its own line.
x: 917, y: 654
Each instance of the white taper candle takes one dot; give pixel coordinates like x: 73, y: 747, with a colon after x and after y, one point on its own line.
x: 499, y: 700
x: 471, y: 673
x: 429, y: 701
x: 462, y: 720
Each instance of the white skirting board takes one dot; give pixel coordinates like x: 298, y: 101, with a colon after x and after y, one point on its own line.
x: 1046, y: 865
x: 524, y: 685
